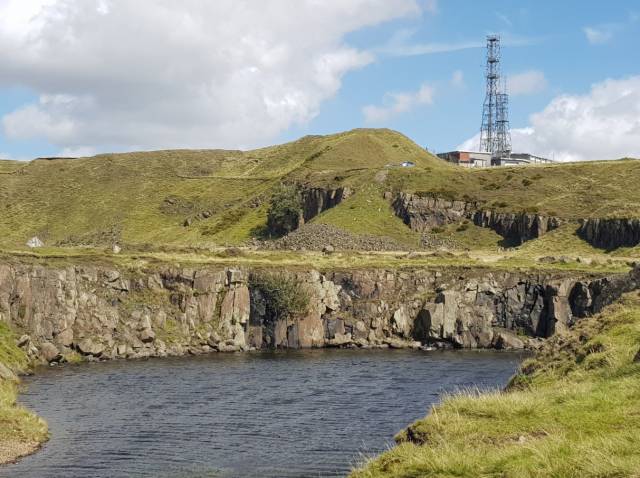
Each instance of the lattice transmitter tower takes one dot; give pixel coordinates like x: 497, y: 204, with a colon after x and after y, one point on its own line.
x: 495, y: 135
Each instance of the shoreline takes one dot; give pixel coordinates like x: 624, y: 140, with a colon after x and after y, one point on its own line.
x: 558, y: 416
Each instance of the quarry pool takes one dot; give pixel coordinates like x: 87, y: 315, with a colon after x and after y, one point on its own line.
x: 270, y: 414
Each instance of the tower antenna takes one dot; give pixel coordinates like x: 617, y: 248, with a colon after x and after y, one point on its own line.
x: 495, y: 135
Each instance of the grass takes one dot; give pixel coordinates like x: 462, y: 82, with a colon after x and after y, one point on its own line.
x: 367, y: 212
x: 556, y: 190
x: 469, y: 236
x: 187, y: 257
x: 21, y: 432
x: 145, y: 198
x: 571, y: 412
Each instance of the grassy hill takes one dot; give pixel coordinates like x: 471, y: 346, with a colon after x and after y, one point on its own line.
x: 148, y: 197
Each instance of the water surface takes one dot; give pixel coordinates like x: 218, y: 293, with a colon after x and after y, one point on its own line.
x: 269, y: 414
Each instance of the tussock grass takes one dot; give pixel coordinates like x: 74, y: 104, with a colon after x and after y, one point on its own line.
x: 573, y: 411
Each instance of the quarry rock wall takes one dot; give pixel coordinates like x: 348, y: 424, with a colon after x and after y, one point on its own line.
x: 423, y: 213
x: 611, y: 233
x: 318, y: 200
x: 100, y: 312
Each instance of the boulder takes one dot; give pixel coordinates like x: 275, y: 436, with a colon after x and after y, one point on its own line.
x: 401, y: 322
x: 111, y: 276
x: 65, y: 338
x: 236, y: 276
x: 311, y: 331
x: 340, y: 340
x: 49, y: 352
x: 360, y: 330
x: 328, y: 249
x: 89, y: 347
x: 505, y: 340
x: 228, y: 347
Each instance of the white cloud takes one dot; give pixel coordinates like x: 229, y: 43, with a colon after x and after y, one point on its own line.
x: 598, y: 35
x: 395, y: 104
x: 457, y: 79
x: 402, y: 43
x: 603, y: 124
x: 121, y: 74
x: 526, y: 83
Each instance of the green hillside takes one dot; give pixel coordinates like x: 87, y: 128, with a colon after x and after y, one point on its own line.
x: 214, y: 197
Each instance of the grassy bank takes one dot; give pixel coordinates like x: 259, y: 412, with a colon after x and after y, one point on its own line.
x: 573, y: 411
x: 21, y: 432
x: 521, y: 259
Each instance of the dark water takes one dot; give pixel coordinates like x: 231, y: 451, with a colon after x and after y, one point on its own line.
x: 286, y: 414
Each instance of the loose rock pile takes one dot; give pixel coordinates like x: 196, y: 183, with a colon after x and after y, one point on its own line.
x: 431, y: 241
x: 318, y: 237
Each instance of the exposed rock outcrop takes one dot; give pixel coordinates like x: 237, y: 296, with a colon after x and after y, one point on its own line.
x: 318, y: 200
x: 516, y: 227
x: 611, y: 233
x: 103, y: 312
x: 423, y: 213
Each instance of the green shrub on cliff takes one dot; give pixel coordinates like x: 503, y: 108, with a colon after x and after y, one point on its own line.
x: 284, y: 296
x: 284, y: 211
x: 572, y: 411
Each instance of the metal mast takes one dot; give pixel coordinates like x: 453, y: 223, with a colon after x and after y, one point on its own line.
x: 495, y: 136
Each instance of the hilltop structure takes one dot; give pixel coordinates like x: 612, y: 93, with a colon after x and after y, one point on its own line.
x: 495, y: 135
x: 495, y: 132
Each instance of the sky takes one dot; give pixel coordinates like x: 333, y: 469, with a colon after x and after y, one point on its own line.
x: 81, y: 77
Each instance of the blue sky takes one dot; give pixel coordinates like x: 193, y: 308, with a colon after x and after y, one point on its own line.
x: 89, y: 94
x: 545, y: 36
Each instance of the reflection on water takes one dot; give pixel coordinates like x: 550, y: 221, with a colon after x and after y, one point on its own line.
x: 282, y: 414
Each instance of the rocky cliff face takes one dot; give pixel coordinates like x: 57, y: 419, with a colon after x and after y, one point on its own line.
x: 611, y: 233
x: 516, y: 227
x: 103, y: 312
x: 424, y: 213
x: 317, y: 200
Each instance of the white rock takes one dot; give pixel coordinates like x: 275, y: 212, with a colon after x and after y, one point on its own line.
x: 35, y: 242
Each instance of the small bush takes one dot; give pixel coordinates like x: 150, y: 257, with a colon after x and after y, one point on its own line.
x: 284, y: 211
x: 526, y: 182
x: 437, y: 230
x: 284, y: 296
x: 462, y: 227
